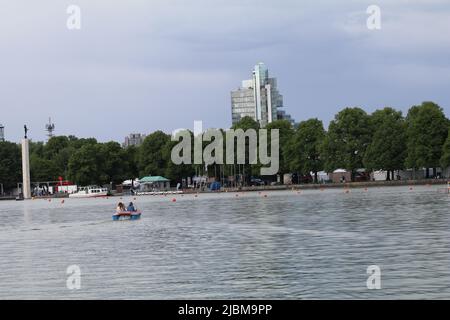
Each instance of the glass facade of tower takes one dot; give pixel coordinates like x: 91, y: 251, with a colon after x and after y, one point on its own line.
x: 257, y: 98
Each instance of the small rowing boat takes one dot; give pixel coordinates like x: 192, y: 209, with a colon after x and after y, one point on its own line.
x: 127, y: 215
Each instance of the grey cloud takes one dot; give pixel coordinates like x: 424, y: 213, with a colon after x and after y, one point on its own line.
x: 147, y: 65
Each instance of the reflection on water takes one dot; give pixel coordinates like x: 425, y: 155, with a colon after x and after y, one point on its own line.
x: 317, y: 244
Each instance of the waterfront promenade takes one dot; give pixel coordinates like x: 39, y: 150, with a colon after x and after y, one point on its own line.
x: 311, y: 186
x: 318, y: 186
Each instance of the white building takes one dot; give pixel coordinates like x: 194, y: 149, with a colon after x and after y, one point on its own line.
x: 134, y: 139
x: 257, y: 98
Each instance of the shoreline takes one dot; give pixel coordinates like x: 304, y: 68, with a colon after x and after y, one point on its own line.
x: 291, y: 187
x: 350, y: 185
x: 347, y: 185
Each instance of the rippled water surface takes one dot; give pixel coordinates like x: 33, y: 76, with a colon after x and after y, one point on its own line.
x: 316, y: 244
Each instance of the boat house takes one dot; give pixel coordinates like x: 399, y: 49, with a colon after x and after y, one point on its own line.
x: 154, y: 183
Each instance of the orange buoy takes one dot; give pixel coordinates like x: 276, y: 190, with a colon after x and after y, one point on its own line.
x: 174, y: 200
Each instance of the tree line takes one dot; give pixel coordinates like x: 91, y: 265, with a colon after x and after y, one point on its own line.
x: 384, y: 140
x: 87, y: 161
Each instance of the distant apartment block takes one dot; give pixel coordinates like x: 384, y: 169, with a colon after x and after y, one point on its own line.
x: 134, y: 139
x: 2, y: 133
x: 257, y: 98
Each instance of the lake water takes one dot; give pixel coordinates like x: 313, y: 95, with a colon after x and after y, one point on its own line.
x: 316, y: 244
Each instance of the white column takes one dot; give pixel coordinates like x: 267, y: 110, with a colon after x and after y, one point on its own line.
x: 26, y: 186
x: 258, y: 94
x: 269, y: 103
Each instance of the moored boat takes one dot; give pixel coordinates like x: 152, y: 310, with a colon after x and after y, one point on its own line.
x: 90, y: 192
x: 157, y: 193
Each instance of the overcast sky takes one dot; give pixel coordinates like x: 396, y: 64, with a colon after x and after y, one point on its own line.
x: 139, y: 66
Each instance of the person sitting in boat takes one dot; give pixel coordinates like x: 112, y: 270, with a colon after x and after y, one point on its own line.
x: 120, y: 208
x: 131, y: 207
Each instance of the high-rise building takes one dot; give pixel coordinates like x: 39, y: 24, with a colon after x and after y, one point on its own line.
x: 282, y: 115
x: 134, y: 139
x: 257, y: 98
x: 2, y: 133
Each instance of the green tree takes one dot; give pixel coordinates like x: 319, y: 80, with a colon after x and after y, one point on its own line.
x: 152, y: 159
x: 387, y: 151
x: 175, y: 173
x: 114, y: 162
x: 246, y: 123
x: 55, y: 145
x: 42, y: 169
x: 37, y: 148
x: 77, y: 143
x: 445, y: 159
x: 56, y: 152
x: 426, y: 132
x: 246, y: 170
x: 132, y: 156
x: 348, y: 136
x: 10, y: 164
x: 85, y: 165
x: 304, y: 148
x: 285, y: 131
x: 61, y: 161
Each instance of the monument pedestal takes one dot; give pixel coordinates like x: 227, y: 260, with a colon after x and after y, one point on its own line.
x: 26, y: 185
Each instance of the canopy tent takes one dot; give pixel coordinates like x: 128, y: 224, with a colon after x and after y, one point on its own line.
x: 153, y: 179
x: 154, y: 183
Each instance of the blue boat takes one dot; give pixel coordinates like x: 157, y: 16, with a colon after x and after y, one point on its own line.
x: 136, y: 215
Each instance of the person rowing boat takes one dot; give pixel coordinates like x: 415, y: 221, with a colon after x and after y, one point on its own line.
x: 131, y: 207
x: 120, y: 208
